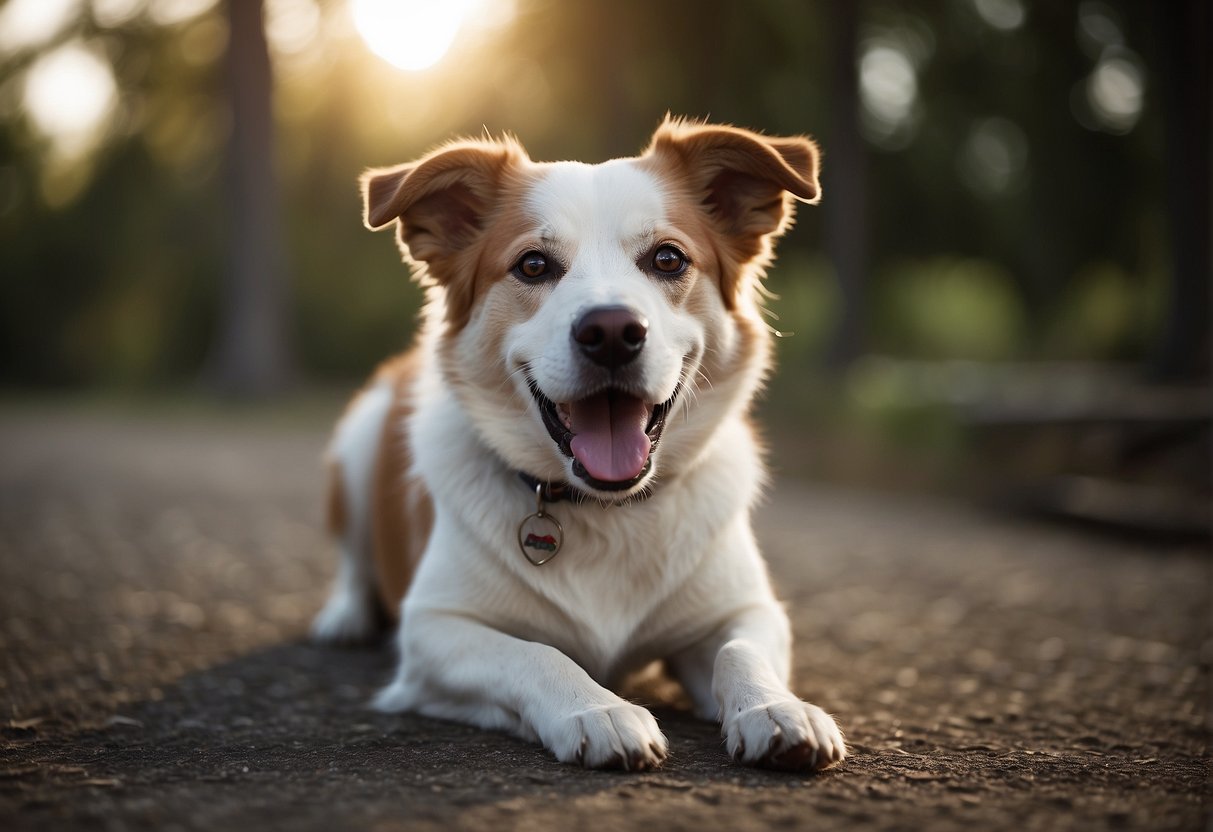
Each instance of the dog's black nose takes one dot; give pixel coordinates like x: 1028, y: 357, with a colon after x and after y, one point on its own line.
x: 610, y: 335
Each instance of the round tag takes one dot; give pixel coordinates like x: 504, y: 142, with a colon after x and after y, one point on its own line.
x: 540, y: 537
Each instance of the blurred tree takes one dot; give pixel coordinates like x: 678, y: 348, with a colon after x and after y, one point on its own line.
x: 1182, y: 349
x: 846, y: 221
x: 251, y: 351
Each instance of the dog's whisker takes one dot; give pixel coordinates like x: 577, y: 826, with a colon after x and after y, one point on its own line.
x: 509, y: 378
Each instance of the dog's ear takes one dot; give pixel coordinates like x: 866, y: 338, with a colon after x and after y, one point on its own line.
x: 746, y: 182
x: 442, y: 200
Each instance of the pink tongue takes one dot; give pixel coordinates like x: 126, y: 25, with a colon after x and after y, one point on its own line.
x: 609, y: 435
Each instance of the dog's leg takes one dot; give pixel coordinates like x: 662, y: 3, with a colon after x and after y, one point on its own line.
x: 762, y: 721
x: 693, y: 670
x: 455, y: 668
x: 352, y: 613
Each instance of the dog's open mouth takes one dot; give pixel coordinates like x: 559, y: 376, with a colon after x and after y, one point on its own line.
x: 610, y: 436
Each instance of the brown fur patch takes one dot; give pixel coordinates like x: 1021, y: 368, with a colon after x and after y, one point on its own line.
x: 509, y: 231
x: 441, y: 206
x: 402, y: 514
x: 745, y: 184
x: 335, y: 510
x: 468, y: 273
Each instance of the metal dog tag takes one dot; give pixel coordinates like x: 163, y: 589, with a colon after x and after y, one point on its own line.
x: 540, y: 534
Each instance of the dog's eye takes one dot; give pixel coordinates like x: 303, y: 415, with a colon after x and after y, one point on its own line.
x: 669, y: 261
x: 532, y: 266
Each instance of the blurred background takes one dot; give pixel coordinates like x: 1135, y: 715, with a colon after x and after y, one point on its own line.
x: 1005, y: 290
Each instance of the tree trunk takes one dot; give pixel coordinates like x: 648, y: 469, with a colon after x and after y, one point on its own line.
x: 1182, y: 349
x: 844, y: 188
x: 251, y: 356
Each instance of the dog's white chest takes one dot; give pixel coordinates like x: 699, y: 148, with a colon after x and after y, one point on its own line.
x: 614, y: 598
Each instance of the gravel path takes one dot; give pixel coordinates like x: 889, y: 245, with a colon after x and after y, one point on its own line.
x: 157, y: 575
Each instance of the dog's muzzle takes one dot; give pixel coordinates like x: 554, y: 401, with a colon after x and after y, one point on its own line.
x: 609, y: 433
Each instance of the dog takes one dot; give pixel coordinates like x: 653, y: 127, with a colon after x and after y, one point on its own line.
x: 552, y: 489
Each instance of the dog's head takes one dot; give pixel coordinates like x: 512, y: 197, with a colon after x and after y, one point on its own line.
x: 587, y: 312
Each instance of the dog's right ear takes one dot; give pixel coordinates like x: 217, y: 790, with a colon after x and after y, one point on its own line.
x: 379, y: 188
x: 442, y: 200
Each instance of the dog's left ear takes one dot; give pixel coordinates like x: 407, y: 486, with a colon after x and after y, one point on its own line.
x: 748, y: 183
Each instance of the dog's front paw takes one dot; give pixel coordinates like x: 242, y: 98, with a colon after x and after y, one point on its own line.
x: 786, y: 734
x: 620, y: 735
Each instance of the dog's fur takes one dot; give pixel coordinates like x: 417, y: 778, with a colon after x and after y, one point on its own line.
x: 657, y: 563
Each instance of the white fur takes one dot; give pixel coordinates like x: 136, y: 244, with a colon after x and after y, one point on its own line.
x: 349, y: 615
x: 489, y: 639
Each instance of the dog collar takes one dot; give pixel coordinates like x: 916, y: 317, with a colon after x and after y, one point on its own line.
x: 553, y: 492
x: 540, y: 535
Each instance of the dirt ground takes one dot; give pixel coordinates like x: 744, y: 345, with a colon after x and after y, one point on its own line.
x: 157, y: 576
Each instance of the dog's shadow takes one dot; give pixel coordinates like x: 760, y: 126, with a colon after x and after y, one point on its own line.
x: 298, y: 713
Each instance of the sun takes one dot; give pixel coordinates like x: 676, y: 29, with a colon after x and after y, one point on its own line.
x: 411, y: 34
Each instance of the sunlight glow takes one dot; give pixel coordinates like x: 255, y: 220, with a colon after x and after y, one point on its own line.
x: 411, y: 34
x: 70, y: 94
x: 888, y: 90
x: 1005, y: 15
x: 172, y: 12
x: 115, y: 13
x: 993, y: 157
x: 25, y: 24
x: 888, y: 83
x: 1098, y: 28
x: 1116, y: 90
x: 292, y: 25
x: 1113, y: 96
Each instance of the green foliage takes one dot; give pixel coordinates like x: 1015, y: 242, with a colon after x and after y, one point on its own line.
x: 1106, y: 313
x: 949, y: 308
x: 354, y: 311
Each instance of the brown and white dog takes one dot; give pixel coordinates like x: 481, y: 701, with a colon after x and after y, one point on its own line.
x: 553, y: 488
